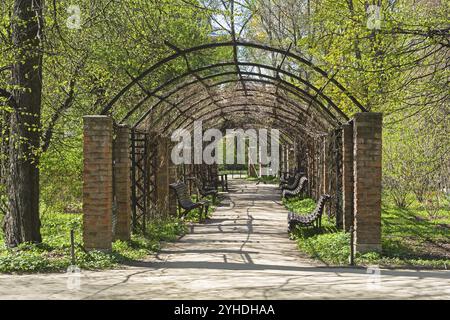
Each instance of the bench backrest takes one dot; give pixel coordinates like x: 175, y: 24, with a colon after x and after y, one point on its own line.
x: 301, y: 185
x: 181, y: 190
x: 296, y: 181
x: 198, y: 183
x: 321, y: 204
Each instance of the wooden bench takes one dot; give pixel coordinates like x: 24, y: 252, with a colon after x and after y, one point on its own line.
x: 314, y: 217
x: 185, y: 202
x: 288, y: 178
x: 301, y: 187
x: 202, y: 190
x: 292, y: 185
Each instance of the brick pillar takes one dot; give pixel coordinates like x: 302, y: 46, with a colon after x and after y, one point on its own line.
x: 347, y: 176
x: 122, y: 183
x: 97, y: 182
x: 367, y: 181
x: 162, y: 176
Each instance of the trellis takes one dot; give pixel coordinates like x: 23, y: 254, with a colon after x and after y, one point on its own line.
x: 230, y: 93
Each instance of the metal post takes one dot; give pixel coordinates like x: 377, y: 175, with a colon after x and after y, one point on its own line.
x: 72, y: 246
x: 133, y: 180
x: 144, y: 194
x: 352, y: 248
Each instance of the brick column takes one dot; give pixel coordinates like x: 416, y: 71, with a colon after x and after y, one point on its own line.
x: 122, y: 183
x: 347, y: 176
x: 367, y: 181
x: 97, y: 182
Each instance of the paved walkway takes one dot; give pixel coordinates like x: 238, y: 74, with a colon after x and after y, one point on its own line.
x: 243, y: 252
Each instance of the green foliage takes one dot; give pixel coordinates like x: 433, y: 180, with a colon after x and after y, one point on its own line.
x: 54, y: 253
x: 330, y: 248
x: 61, y: 177
x: 409, y: 239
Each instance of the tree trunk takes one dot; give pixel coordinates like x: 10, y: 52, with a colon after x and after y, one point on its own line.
x: 22, y: 223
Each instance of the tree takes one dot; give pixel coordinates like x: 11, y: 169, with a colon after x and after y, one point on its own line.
x: 22, y: 222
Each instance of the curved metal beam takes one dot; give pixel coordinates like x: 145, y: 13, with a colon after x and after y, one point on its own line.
x: 299, y: 94
x: 285, y: 102
x: 227, y: 64
x: 291, y: 123
x: 267, y: 106
x: 184, y: 52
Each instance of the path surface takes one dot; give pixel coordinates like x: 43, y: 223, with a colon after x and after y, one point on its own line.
x: 243, y: 252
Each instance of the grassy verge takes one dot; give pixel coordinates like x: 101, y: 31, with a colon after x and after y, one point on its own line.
x: 54, y: 252
x: 409, y: 239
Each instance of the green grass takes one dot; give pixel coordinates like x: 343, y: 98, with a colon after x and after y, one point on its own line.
x: 301, y: 206
x: 53, y: 254
x: 194, y: 215
x: 410, y: 238
x: 264, y: 179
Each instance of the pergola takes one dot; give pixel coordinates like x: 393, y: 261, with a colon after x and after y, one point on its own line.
x: 324, y: 130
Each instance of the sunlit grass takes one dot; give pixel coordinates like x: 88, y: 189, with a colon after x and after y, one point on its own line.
x: 53, y: 254
x: 410, y: 238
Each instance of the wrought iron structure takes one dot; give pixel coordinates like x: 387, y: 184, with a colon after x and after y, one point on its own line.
x: 222, y: 93
x: 143, y: 188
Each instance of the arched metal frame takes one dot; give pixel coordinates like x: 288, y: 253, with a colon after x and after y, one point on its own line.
x: 295, y: 106
x: 315, y: 99
x: 300, y: 93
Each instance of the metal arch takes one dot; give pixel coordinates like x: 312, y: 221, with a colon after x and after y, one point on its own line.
x: 264, y: 105
x: 294, y: 89
x: 194, y: 73
x: 220, y: 83
x: 276, y: 79
x: 185, y: 85
x: 285, y: 136
x: 282, y: 127
x: 172, y: 57
x: 289, y: 125
x: 281, y: 120
x: 278, y: 85
x: 286, y: 103
x: 289, y: 121
x: 286, y: 128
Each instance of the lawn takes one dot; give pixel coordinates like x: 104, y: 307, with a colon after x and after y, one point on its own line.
x: 265, y: 179
x: 54, y: 252
x: 194, y: 215
x: 410, y: 238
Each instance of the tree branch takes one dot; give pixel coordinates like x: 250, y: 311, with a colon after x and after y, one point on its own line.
x: 9, y: 98
x: 47, y: 137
